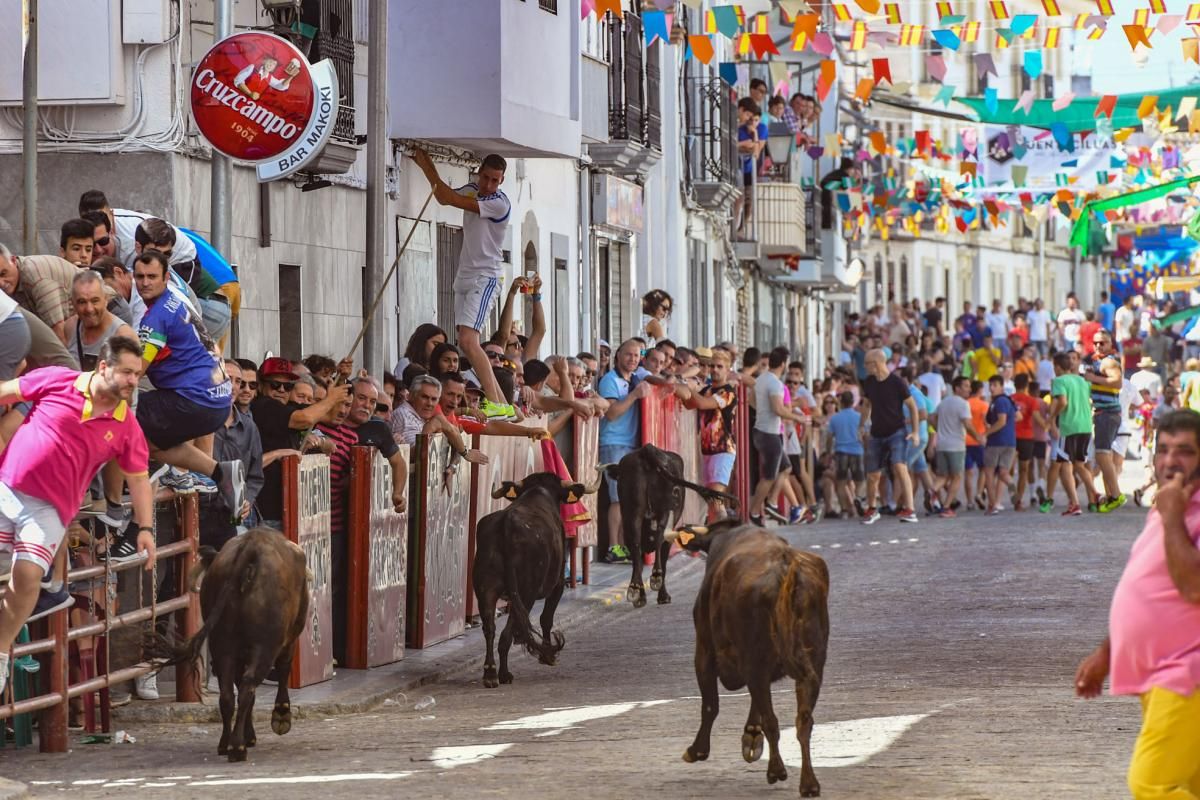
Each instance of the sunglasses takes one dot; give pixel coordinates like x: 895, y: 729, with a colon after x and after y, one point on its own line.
x: 251, y: 384
x: 284, y: 385
x: 494, y: 356
x: 382, y: 408
x: 102, y: 241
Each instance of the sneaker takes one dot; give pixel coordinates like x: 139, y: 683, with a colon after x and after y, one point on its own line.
x: 115, y: 517
x: 1045, y: 506
x: 809, y: 517
x: 1041, y: 495
x: 757, y: 520
x: 119, y: 552
x: 1112, y: 504
x: 1137, y: 497
x: 956, y: 505
x: 795, y: 514
x: 858, y: 507
x: 178, y: 480
x: 118, y: 698
x: 907, y: 515
x: 947, y: 513
x: 203, y: 483
x: 48, y: 602
x: 1094, y: 508
x: 146, y: 687
x: 497, y: 411
x: 1073, y: 511
x: 993, y: 511
x: 232, y: 485
x: 819, y: 514
x: 774, y: 514
x: 871, y: 516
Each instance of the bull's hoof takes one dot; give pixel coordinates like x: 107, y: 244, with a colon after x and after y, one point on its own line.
x: 691, y: 756
x: 752, y: 746
x: 636, y: 595
x: 506, y: 677
x: 223, y: 748
x: 776, y: 773
x: 490, y: 681
x: 656, y: 582
x: 281, y: 719
x: 813, y: 790
x: 549, y: 661
x: 237, y: 754
x: 664, y: 599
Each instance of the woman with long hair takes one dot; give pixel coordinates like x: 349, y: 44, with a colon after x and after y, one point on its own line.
x: 656, y: 312
x: 420, y: 346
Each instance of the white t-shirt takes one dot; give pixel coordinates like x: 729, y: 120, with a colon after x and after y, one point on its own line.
x: 998, y: 322
x: 1045, y: 374
x: 1038, y: 321
x: 1123, y: 320
x: 766, y: 387
x: 1128, y: 398
x: 7, y: 306
x: 1147, y: 379
x: 127, y: 222
x: 934, y: 385
x: 1069, y: 319
x: 483, y: 236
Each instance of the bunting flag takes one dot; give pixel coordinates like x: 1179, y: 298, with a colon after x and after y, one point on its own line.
x: 1141, y: 16
x: 1096, y: 32
x: 1158, y: 6
x: 1052, y: 36
x: 799, y: 42
x: 858, y: 36
x: 892, y: 10
x: 985, y: 64
x: 805, y: 25
x: 654, y: 26
x: 1167, y: 23
x: 604, y: 6
x: 911, y: 35
x: 1022, y: 23
x: 841, y: 12
x: 944, y: 9
x: 1105, y: 7
x: 935, y: 65
x: 970, y: 32
x: 726, y: 20
x: 1106, y: 105
x: 869, y: 6
x: 763, y: 44
x: 701, y: 47
x: 1032, y: 62
x: 999, y: 8
x: 1002, y: 42
x: 1136, y: 34
x: 761, y: 23
x: 1051, y: 8
x: 946, y: 38
x: 1081, y: 21
x: 863, y: 92
x: 1191, y: 50
x: 1148, y: 106
x: 827, y: 79
x: 1193, y: 13
x: 882, y: 69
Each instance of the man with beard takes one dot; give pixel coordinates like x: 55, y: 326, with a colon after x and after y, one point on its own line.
x: 77, y: 423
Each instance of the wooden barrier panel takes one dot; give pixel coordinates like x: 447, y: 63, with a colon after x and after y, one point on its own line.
x: 671, y: 427
x: 587, y: 456
x: 741, y: 466
x: 376, y: 596
x: 440, y: 506
x: 306, y: 521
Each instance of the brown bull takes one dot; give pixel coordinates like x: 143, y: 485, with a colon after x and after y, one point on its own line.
x: 761, y: 614
x: 254, y: 599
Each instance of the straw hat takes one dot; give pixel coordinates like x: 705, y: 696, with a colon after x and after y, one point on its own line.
x: 1147, y: 362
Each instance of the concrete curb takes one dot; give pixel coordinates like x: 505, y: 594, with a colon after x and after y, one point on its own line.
x: 11, y: 790
x: 469, y: 655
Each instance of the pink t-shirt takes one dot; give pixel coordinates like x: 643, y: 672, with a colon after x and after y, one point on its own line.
x: 1154, y: 632
x: 57, y: 451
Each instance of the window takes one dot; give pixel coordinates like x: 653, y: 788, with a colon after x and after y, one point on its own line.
x: 449, y: 243
x: 564, y: 309
x: 291, y: 333
x: 593, y: 37
x: 548, y: 5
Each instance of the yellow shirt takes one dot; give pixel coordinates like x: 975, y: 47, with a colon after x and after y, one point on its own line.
x: 986, y: 361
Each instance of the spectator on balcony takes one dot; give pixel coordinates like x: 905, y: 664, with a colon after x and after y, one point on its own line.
x: 620, y: 431
x: 444, y: 359
x: 752, y: 137
x: 373, y: 432
x: 75, y: 239
x: 420, y: 346
x: 321, y: 368
x: 604, y: 359
x: 656, y: 316
x: 454, y: 408
x: 486, y: 210
x: 789, y: 114
x: 114, y: 274
x: 40, y: 284
x: 759, y: 91
x: 845, y: 176
x: 92, y: 324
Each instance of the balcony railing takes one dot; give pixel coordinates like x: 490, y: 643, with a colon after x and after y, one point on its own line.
x: 634, y: 111
x: 333, y: 41
x: 713, y: 163
x: 781, y: 211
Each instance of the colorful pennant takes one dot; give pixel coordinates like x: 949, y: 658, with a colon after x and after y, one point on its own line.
x: 882, y: 69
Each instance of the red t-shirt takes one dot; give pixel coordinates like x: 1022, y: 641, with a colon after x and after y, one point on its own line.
x: 1087, y: 332
x: 1027, y: 406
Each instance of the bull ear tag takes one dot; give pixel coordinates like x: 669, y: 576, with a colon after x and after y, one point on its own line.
x: 572, y: 497
x: 685, y: 537
x: 511, y: 494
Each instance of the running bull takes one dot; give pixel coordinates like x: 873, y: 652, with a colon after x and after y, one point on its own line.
x: 254, y: 599
x: 650, y: 487
x: 519, y: 556
x: 761, y: 614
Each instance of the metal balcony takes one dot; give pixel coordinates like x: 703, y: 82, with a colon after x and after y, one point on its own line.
x: 715, y: 173
x: 634, y: 102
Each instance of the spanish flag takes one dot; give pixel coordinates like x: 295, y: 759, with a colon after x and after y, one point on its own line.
x: 841, y: 11
x: 911, y: 35
x: 892, y: 10
x: 1141, y: 16
x: 760, y: 24
x: 1001, y: 42
x: 858, y: 37
x: 944, y: 9
x: 1052, y: 35
x: 1095, y: 33
x: 1051, y: 8
x: 1193, y: 12
x: 1105, y: 7
x: 1030, y: 33
x: 1158, y: 6
x: 970, y: 32
x: 1082, y: 19
x: 1000, y: 9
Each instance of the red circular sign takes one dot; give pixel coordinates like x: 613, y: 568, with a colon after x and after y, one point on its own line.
x: 252, y: 96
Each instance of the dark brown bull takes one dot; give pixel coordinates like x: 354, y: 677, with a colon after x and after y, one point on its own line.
x: 650, y: 487
x: 254, y: 599
x: 761, y: 614
x: 519, y: 556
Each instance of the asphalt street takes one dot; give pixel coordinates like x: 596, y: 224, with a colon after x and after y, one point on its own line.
x: 951, y: 658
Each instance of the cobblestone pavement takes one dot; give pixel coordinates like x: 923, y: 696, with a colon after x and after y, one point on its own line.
x: 952, y: 652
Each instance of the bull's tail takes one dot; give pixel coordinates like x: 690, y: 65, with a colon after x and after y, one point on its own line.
x: 523, y: 631
x: 168, y: 652
x: 787, y: 625
x: 703, y: 491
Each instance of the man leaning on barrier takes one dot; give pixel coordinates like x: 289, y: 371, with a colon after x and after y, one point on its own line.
x: 79, y: 421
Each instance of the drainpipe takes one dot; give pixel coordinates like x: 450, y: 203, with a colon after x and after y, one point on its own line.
x: 29, y: 104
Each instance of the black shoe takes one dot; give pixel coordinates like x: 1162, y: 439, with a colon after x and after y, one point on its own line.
x: 757, y: 521
x: 48, y: 602
x: 928, y: 504
x: 858, y: 507
x: 119, y: 552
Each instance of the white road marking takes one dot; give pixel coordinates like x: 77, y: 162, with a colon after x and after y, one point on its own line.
x: 874, y: 544
x: 893, y: 541
x: 351, y: 776
x: 44, y: 783
x: 159, y: 785
x: 849, y: 742
x: 914, y: 539
x: 451, y: 757
x: 569, y: 717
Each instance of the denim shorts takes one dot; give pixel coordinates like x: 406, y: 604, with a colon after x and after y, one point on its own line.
x: 974, y: 456
x: 888, y: 451
x: 718, y: 468
x: 916, y: 460
x: 612, y: 454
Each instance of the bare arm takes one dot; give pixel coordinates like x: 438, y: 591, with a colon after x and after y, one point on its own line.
x: 537, y: 327
x: 143, y: 514
x: 914, y: 416
x: 783, y: 411
x: 1183, y: 557
x: 557, y: 424
x: 441, y: 191
x: 305, y: 418
x: 506, y: 313
x: 272, y: 456
x: 1001, y: 421
x: 10, y: 392
x: 399, y: 480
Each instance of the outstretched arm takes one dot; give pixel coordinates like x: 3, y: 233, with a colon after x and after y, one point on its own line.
x: 441, y: 191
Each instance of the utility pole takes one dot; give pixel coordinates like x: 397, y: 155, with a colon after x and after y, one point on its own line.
x: 29, y: 105
x: 376, y: 173
x: 222, y: 166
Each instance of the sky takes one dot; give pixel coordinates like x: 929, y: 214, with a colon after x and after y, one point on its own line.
x: 1116, y: 70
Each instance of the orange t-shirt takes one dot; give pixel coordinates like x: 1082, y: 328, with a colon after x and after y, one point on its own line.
x: 979, y: 408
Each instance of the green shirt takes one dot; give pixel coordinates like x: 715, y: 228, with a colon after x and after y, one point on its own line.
x: 1077, y: 416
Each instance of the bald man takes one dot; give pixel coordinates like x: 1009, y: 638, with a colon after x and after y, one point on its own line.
x: 885, y: 398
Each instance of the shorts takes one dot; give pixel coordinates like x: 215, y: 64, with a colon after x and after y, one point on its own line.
x: 890, y: 450
x: 848, y: 467
x: 1106, y: 424
x: 718, y: 468
x: 1072, y: 448
x: 1120, y: 445
x: 770, y: 454
x: 1025, y: 450
x: 167, y: 418
x: 916, y: 460
x: 950, y: 462
x: 217, y: 316
x: 1039, y: 450
x: 29, y: 527
x: 974, y: 458
x: 999, y: 457
x: 473, y: 301
x: 612, y: 454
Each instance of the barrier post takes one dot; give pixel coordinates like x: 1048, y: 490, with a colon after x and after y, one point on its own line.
x: 440, y: 507
x: 378, y: 549
x: 187, y: 620
x: 52, y: 723
x: 741, y: 464
x: 587, y: 457
x: 306, y: 521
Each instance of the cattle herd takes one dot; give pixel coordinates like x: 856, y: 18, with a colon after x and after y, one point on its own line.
x: 761, y: 613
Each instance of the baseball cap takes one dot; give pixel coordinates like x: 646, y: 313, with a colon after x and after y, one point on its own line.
x: 277, y: 366
x: 603, y: 343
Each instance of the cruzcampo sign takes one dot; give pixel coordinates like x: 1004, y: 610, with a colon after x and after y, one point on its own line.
x: 256, y: 98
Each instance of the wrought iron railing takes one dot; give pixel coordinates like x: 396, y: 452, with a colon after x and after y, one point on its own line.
x: 334, y: 41
x: 634, y: 75
x: 712, y: 131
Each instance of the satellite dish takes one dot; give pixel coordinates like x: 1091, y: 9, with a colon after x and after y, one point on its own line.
x: 854, y: 272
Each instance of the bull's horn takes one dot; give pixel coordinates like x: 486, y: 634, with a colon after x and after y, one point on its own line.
x: 507, y: 489
x: 593, y: 487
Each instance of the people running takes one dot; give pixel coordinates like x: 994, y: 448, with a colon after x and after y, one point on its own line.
x: 1071, y: 432
x: 1103, y: 372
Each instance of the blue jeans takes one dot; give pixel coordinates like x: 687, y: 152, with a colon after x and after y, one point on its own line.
x: 888, y: 451
x: 612, y: 454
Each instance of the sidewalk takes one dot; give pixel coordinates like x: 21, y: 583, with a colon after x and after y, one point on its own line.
x: 356, y: 691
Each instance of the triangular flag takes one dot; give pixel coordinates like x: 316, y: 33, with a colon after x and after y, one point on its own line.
x: 946, y: 38
x: 726, y: 18
x: 603, y: 6
x: 968, y: 168
x: 1062, y: 101
x: 763, y: 44
x: 586, y: 7
x: 654, y: 26
x: 728, y: 72
x: 792, y: 8
x: 701, y: 47
x: 935, y: 65
x: 779, y: 72
x: 1033, y: 63
x: 1148, y: 105
x: 1025, y: 103
x: 878, y: 141
x: 806, y: 24
x: 822, y: 44
x: 984, y: 65
x: 991, y: 99
x: 1136, y: 34
x: 1106, y: 105
x: 1186, y: 106
x: 698, y: 4
x: 1063, y: 136
x: 827, y: 79
x: 1018, y: 174
x: 1051, y: 8
x: 945, y: 95
x: 883, y: 69
x: 1167, y: 23
x: 863, y: 92
x: 1191, y: 50
x: 892, y: 12
x: 869, y: 6
x: 1022, y: 22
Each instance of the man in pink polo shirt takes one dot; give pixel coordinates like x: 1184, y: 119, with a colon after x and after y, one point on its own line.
x: 77, y: 423
x: 1153, y: 645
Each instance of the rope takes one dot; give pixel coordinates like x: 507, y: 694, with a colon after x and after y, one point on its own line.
x: 395, y: 263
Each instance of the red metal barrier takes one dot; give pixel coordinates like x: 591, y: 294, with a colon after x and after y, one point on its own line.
x: 741, y: 466
x: 668, y: 425
x: 306, y: 521
x: 53, y: 649
x: 586, y: 456
x: 376, y: 596
x: 440, y: 503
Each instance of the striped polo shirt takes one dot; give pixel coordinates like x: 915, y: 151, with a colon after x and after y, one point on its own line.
x: 45, y: 287
x: 344, y: 437
x: 1104, y: 398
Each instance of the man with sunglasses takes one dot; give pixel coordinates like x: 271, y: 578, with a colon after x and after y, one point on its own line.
x: 1103, y: 372
x: 104, y: 244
